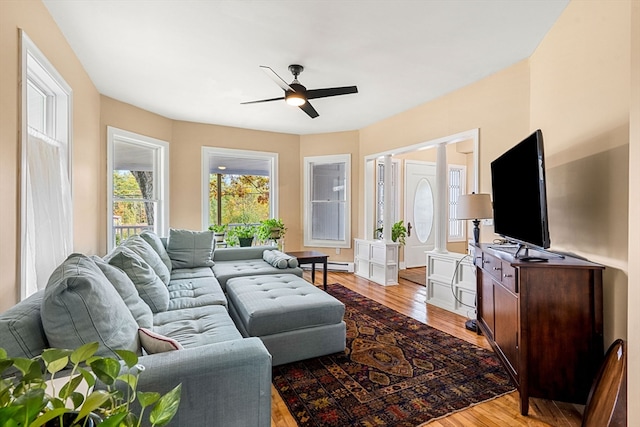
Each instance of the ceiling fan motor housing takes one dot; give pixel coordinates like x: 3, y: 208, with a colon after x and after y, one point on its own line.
x: 296, y: 69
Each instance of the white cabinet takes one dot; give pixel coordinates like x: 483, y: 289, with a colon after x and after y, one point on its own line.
x: 451, y: 282
x: 377, y: 261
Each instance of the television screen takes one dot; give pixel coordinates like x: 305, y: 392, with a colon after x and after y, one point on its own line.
x: 519, y: 193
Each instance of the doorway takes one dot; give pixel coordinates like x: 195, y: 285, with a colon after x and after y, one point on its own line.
x: 419, y: 211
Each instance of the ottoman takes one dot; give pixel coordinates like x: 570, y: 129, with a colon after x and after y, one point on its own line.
x: 294, y: 319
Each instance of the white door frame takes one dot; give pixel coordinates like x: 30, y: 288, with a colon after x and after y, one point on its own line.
x: 369, y: 171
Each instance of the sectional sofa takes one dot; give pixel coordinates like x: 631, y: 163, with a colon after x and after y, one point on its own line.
x: 153, y: 295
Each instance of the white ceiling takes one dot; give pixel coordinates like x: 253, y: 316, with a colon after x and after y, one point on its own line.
x: 197, y: 60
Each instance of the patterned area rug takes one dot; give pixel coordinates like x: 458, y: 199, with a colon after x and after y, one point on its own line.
x: 395, y: 371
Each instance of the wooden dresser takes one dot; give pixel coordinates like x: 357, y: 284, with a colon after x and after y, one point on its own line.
x: 544, y: 320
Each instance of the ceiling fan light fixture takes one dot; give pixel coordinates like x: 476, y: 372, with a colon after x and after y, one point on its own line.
x: 296, y: 99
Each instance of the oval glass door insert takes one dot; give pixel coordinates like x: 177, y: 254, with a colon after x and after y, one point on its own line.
x: 423, y: 210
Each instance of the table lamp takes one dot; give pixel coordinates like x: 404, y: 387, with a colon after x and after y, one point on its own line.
x: 475, y: 207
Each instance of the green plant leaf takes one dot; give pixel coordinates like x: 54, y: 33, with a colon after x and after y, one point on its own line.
x: 5, y: 364
x: 84, y: 352
x: 8, y: 414
x: 147, y: 398
x: 88, y: 376
x: 77, y: 399
x: 56, y: 403
x: 33, y: 374
x: 33, y: 402
x: 166, y: 407
x: 3, y: 353
x: 48, y: 416
x: 106, y: 369
x: 93, y: 402
x: 23, y: 365
x: 114, y: 420
x: 129, y: 379
x: 129, y: 357
x: 70, y: 386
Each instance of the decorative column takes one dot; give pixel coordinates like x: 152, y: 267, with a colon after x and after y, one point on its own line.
x: 440, y: 213
x: 386, y: 195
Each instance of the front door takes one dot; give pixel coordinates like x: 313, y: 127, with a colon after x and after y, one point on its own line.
x: 420, y: 188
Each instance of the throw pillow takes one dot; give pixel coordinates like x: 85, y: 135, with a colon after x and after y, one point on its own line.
x: 292, y: 262
x: 189, y: 249
x: 150, y: 288
x: 81, y: 306
x: 156, y: 343
x: 274, y: 260
x: 156, y: 243
x: 128, y: 292
x: 140, y: 246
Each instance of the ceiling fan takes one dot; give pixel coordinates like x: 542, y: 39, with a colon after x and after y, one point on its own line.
x: 297, y: 95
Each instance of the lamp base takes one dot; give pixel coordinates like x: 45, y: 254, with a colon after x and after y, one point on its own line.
x: 476, y: 231
x: 472, y: 325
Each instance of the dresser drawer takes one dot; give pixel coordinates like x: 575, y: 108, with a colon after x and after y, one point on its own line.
x: 502, y: 271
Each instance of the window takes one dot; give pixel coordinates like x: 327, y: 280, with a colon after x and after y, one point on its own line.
x: 395, y: 200
x: 239, y: 186
x: 327, y: 201
x: 46, y: 199
x: 137, y: 185
x: 457, y: 180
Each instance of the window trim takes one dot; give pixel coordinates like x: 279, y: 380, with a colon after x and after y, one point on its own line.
x: 161, y: 162
x: 336, y: 158
x: 206, y: 152
x: 60, y: 126
x: 463, y: 189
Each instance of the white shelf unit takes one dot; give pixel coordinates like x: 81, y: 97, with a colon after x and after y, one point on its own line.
x: 450, y: 274
x: 377, y: 261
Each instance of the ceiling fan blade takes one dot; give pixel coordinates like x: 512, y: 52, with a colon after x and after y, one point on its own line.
x: 308, y: 108
x: 331, y: 91
x: 276, y: 78
x: 263, y: 100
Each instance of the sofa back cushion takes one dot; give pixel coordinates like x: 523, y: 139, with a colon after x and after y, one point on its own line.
x: 189, y: 249
x: 235, y: 254
x: 81, y: 306
x: 128, y: 292
x: 150, y: 288
x: 21, y: 330
x: 140, y: 246
x: 156, y: 243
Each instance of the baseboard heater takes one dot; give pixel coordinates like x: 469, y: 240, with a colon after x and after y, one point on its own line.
x: 332, y: 266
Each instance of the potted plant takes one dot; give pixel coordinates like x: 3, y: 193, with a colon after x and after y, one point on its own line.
x: 25, y: 399
x: 271, y: 229
x: 398, y: 232
x: 219, y: 231
x: 243, y: 234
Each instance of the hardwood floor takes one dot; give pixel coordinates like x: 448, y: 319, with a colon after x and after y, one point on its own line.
x: 409, y: 298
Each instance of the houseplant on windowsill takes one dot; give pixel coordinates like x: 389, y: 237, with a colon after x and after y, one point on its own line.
x: 242, y: 234
x: 219, y: 231
x: 271, y: 229
x: 25, y: 399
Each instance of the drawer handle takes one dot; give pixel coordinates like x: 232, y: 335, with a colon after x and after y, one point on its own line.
x: 497, y: 268
x: 507, y: 275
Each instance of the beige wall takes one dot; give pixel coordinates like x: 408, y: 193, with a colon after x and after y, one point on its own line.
x: 633, y: 320
x: 133, y: 119
x: 334, y: 143
x: 186, y: 146
x: 585, y: 120
x: 34, y: 18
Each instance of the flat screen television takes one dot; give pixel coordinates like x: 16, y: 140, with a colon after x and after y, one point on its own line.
x: 518, y: 182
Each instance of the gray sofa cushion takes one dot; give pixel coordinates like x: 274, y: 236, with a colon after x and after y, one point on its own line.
x: 150, y: 288
x: 128, y: 292
x: 195, y: 292
x: 225, y: 270
x: 190, y: 273
x: 156, y: 243
x: 21, y: 330
x: 189, y: 249
x: 81, y: 306
x: 279, y: 303
x: 193, y: 327
x: 140, y: 246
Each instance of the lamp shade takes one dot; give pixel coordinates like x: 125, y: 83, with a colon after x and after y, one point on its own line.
x: 474, y: 206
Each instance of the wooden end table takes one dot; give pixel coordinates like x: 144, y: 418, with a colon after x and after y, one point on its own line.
x: 312, y: 257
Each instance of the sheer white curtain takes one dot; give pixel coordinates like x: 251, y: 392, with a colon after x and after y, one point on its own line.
x: 49, y: 217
